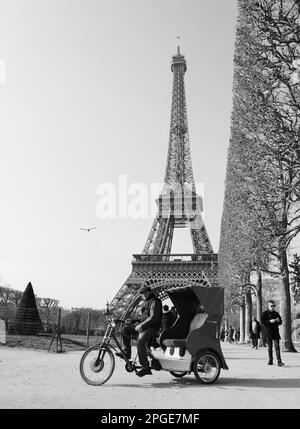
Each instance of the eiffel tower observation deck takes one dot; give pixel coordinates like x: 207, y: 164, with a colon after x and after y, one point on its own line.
x: 179, y: 206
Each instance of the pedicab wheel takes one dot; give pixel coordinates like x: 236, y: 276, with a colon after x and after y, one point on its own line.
x: 97, y: 365
x: 206, y: 367
x: 179, y: 374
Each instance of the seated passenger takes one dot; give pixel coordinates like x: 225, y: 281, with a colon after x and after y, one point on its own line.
x: 196, y: 323
x: 168, y: 318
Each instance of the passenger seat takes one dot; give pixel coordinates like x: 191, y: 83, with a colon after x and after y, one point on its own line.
x: 196, y: 323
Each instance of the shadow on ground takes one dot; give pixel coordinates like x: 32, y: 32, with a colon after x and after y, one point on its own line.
x: 247, y: 358
x: 273, y: 383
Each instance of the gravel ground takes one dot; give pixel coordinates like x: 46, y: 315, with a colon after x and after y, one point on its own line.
x: 37, y: 379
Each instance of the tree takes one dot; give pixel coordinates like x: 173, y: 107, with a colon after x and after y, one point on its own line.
x: 271, y: 289
x: 5, y: 299
x: 16, y: 297
x: 277, y: 135
x: 50, y: 306
x: 74, y: 321
x: 262, y: 179
x: 241, y: 235
x: 295, y: 277
x: 28, y: 320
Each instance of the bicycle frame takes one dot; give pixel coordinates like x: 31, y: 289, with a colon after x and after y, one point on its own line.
x: 110, y: 334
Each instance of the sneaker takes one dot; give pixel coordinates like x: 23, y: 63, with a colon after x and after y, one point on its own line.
x: 120, y: 355
x: 144, y: 371
x: 280, y: 363
x: 270, y: 362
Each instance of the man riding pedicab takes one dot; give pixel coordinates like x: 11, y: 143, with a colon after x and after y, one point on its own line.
x: 145, y: 331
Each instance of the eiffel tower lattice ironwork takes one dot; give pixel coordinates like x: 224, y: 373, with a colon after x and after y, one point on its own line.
x: 178, y: 206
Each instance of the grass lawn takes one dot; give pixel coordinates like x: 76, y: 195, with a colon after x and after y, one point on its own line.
x: 93, y: 339
x: 41, y: 342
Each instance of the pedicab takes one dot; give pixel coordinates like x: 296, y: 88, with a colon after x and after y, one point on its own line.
x: 190, y: 345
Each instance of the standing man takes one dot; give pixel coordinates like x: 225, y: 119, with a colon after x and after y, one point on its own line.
x: 230, y: 334
x: 237, y: 336
x: 271, y: 320
x: 255, y: 332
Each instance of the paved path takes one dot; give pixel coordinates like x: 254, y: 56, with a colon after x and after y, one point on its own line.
x: 37, y: 379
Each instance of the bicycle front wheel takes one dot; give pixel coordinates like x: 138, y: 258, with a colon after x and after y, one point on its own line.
x: 97, y: 365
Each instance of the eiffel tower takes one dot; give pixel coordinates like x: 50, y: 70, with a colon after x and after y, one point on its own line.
x: 179, y: 206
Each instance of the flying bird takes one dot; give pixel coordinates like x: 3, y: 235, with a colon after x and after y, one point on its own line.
x: 88, y: 229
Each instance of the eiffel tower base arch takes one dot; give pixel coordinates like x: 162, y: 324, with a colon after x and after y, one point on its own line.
x: 161, y: 275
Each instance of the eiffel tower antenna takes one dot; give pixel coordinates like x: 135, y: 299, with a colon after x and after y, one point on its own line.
x: 178, y: 45
x: 179, y: 206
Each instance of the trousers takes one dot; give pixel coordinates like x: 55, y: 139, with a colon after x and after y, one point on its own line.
x: 270, y: 342
x: 143, y: 340
x: 254, y: 338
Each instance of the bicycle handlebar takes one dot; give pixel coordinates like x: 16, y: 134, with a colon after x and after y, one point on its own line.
x: 123, y: 320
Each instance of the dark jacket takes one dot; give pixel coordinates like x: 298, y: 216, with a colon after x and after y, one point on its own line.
x: 271, y: 329
x: 151, y: 317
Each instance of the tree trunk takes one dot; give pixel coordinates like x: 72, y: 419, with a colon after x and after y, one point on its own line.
x: 259, y: 302
x: 285, y: 306
x: 248, y: 315
x: 242, y: 322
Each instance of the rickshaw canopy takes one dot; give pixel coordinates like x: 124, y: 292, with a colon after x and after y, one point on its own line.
x: 187, y: 299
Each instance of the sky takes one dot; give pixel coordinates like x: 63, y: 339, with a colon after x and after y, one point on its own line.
x: 86, y: 100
